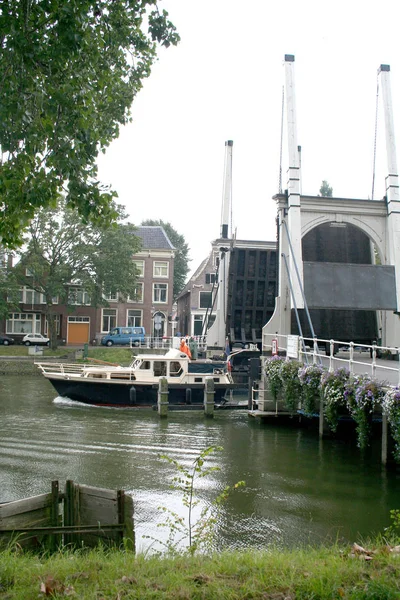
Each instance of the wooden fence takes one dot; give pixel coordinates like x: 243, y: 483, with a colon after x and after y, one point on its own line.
x: 79, y: 516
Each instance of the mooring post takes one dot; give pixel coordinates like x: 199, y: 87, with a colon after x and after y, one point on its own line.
x: 209, y: 397
x: 162, y: 397
x: 384, y: 439
x: 321, y: 416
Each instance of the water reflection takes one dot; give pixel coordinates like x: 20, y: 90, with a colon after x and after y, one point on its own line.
x: 298, y: 489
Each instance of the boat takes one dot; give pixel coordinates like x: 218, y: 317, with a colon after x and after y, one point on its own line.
x: 137, y: 385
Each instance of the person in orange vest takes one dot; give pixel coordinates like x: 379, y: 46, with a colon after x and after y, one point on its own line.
x: 185, y: 348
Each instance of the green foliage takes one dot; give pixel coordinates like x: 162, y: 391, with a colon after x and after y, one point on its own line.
x: 310, y: 379
x: 325, y: 190
x: 181, y: 262
x: 394, y: 528
x: 61, y: 250
x: 70, y: 70
x: 273, y: 375
x: 333, y: 386
x: 197, y: 533
x: 362, y: 395
x: 291, y: 383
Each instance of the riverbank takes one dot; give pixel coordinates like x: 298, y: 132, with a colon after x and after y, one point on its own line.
x: 332, y: 572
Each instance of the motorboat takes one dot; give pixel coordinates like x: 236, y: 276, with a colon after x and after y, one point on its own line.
x: 138, y: 384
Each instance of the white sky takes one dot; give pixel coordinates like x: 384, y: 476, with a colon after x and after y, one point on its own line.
x: 224, y: 81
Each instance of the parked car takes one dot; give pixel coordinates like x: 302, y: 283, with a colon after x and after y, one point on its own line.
x: 134, y: 336
x: 35, y: 339
x: 5, y: 339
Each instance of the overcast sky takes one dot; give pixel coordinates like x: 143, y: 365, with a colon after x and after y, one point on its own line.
x: 224, y: 81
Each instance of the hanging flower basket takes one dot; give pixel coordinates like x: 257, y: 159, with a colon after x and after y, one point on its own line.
x: 310, y: 379
x: 291, y: 386
x: 391, y: 408
x: 362, y: 395
x: 272, y: 373
x: 333, y: 385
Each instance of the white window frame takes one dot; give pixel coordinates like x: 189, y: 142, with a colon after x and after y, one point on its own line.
x: 202, y: 294
x: 137, y: 319
x: 157, y: 288
x: 111, y: 296
x: 139, y: 264
x: 31, y: 321
x: 111, y: 319
x: 85, y: 297
x: 57, y: 320
x: 139, y: 285
x: 78, y: 319
x: 161, y: 269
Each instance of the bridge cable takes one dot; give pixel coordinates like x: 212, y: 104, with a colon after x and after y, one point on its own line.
x: 375, y: 136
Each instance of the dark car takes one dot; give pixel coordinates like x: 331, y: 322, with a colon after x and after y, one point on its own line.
x: 6, y: 340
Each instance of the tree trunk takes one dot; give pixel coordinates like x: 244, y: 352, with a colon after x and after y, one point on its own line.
x: 51, y: 327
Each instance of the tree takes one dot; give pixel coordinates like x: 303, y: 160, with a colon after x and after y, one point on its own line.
x: 181, y: 263
x: 325, y: 190
x: 61, y: 251
x: 69, y: 71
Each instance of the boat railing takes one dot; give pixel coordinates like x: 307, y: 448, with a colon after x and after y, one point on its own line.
x: 61, y: 368
x: 167, y: 342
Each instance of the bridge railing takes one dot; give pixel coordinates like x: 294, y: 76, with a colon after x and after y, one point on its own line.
x: 382, y: 362
x: 167, y: 342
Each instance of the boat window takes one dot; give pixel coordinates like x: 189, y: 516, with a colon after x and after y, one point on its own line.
x: 145, y: 364
x: 175, y: 369
x: 160, y: 368
x: 198, y: 379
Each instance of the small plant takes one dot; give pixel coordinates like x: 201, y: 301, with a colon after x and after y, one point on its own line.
x: 272, y: 373
x: 394, y: 529
x: 310, y: 379
x: 290, y: 383
x: 333, y: 393
x: 362, y: 395
x: 391, y: 408
x: 198, y: 533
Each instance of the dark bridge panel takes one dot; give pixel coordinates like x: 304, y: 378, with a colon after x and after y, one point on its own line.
x: 349, y: 286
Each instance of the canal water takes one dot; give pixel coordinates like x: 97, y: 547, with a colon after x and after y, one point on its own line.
x: 299, y: 490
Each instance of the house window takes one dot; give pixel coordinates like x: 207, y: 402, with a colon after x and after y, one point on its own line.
x: 160, y: 292
x: 78, y: 296
x: 215, y: 258
x: 205, y: 300
x: 32, y: 297
x: 211, y: 278
x: 111, y: 297
x: 160, y: 268
x: 198, y: 325
x: 57, y: 324
x: 139, y: 264
x: 78, y: 319
x: 108, y: 319
x: 133, y: 318
x: 23, y: 323
x: 138, y: 295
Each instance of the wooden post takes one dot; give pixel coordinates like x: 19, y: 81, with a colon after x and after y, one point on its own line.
x: 209, y: 397
x: 384, y: 439
x: 54, y: 515
x: 162, y: 397
x: 71, y: 509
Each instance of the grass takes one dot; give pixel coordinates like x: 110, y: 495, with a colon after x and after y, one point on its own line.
x: 116, y: 355
x: 309, y: 573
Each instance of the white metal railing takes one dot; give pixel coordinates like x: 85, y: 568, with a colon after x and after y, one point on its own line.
x: 334, y: 353
x: 167, y: 342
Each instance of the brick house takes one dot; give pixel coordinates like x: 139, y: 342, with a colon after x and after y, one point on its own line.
x: 82, y: 323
